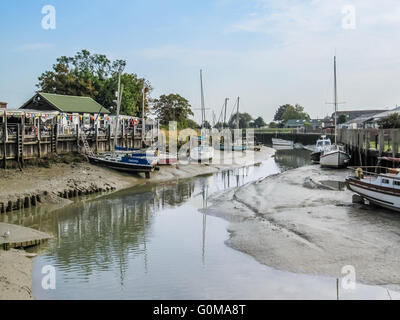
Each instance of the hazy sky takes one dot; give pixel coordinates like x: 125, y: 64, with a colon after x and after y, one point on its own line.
x: 267, y: 52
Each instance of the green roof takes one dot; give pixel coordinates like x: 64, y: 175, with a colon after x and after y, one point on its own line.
x: 73, y: 104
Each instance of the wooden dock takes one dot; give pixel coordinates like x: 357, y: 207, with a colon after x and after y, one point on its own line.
x: 20, y: 237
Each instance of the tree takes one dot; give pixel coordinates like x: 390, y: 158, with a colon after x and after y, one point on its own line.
x: 392, y: 121
x: 342, y: 119
x: 273, y: 125
x: 259, y: 122
x: 173, y: 108
x: 244, y: 120
x: 95, y: 76
x: 281, y: 110
x: 295, y: 113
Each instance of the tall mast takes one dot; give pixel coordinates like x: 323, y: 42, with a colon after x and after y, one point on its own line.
x: 237, y: 114
x: 335, y: 99
x: 203, y: 113
x: 226, y: 106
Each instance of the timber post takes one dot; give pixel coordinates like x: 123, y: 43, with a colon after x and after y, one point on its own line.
x: 5, y: 133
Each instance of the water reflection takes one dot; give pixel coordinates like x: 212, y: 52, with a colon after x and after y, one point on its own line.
x: 154, y: 242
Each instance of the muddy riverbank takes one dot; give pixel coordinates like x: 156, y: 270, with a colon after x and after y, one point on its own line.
x: 296, y: 222
x: 51, y: 184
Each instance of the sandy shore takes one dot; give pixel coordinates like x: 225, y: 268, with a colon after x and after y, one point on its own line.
x: 15, y: 275
x: 293, y: 222
x: 50, y: 182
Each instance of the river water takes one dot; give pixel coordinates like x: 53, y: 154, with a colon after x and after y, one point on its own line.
x: 153, y: 242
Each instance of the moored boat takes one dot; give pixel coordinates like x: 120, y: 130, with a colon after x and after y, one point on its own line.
x: 378, y: 185
x: 334, y: 158
x: 202, y: 153
x: 323, y: 144
x: 126, y: 163
x: 281, y: 142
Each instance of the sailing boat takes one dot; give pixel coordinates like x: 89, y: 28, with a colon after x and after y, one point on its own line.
x: 335, y: 157
x: 203, y: 152
x: 124, y: 162
x: 238, y: 144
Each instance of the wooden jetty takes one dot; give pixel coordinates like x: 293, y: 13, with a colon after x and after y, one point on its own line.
x: 20, y: 237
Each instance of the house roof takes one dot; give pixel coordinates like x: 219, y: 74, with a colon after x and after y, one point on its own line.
x: 71, y: 104
x: 385, y: 114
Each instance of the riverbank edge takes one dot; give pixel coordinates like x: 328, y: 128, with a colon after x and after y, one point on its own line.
x: 117, y: 182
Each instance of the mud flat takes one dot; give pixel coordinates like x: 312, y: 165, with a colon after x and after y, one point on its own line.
x: 297, y: 222
x: 62, y: 182
x: 15, y: 275
x: 56, y: 187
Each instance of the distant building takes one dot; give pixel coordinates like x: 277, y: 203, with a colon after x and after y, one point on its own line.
x: 313, y: 124
x: 369, y: 120
x: 351, y: 115
x: 3, y: 105
x: 64, y: 104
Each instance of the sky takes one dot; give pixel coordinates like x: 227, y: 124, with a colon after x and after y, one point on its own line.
x: 267, y: 52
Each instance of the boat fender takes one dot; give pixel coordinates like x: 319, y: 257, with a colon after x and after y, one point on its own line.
x: 359, y: 173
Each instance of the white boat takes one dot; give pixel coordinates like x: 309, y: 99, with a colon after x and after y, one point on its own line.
x: 323, y: 144
x: 382, y: 188
x: 335, y: 158
x: 202, y: 153
x: 281, y: 142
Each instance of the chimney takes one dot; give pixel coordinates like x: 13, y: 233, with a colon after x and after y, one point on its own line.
x: 3, y: 105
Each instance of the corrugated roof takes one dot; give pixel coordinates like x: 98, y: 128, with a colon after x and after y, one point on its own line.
x: 73, y: 104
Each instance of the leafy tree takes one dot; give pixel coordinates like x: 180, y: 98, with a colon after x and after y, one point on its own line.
x: 273, y: 125
x: 244, y: 120
x: 297, y: 112
x: 192, y: 124
x: 392, y: 121
x: 281, y: 110
x: 173, y: 108
x: 259, y: 122
x: 342, y: 119
x: 95, y: 76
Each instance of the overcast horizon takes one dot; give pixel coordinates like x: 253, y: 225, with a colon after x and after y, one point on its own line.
x: 267, y: 52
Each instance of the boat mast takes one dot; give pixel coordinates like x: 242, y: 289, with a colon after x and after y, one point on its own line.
x: 226, y: 106
x: 335, y: 99
x: 203, y: 113
x: 237, y: 114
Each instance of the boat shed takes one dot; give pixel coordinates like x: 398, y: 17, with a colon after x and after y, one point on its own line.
x: 44, y: 102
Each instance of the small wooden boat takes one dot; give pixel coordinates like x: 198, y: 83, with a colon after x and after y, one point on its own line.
x: 334, y: 158
x: 281, y: 142
x: 378, y: 185
x: 323, y: 144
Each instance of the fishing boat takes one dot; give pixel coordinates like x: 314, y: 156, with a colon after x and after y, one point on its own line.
x: 323, y: 144
x: 281, y: 142
x: 378, y: 185
x: 336, y: 157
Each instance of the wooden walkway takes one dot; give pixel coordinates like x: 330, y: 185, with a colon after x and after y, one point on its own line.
x: 20, y: 237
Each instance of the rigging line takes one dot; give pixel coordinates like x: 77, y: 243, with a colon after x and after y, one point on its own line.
x: 233, y: 109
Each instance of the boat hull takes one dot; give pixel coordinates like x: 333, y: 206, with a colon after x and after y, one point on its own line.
x: 281, y: 142
x: 377, y: 195
x: 316, y: 156
x: 334, y: 159
x: 122, y: 166
x: 203, y: 155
